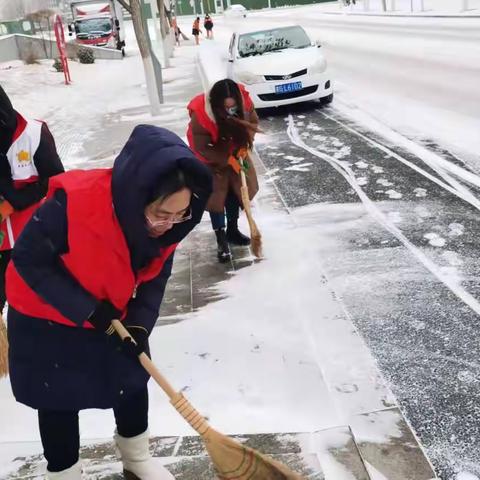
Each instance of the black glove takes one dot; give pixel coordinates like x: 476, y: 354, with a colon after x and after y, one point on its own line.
x: 140, y: 336
x: 102, y: 317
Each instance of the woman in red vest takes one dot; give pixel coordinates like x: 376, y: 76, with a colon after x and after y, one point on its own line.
x: 28, y: 158
x: 99, y: 248
x: 223, y: 122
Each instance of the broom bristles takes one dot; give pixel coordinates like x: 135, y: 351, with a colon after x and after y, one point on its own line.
x: 3, y: 349
x: 231, y: 459
x: 234, y: 461
x: 255, y: 235
x: 256, y: 244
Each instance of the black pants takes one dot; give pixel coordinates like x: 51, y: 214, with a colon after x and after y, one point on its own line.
x: 59, y: 430
x: 4, y: 259
x: 232, y: 210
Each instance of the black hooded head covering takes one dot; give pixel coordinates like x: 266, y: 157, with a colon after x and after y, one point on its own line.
x: 8, y: 121
x: 150, y: 153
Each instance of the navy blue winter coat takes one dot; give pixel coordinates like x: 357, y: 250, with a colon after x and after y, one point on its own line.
x: 58, y: 367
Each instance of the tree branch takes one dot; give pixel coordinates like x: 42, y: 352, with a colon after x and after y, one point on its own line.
x: 125, y: 5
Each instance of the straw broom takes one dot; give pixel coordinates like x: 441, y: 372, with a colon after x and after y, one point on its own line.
x: 256, y: 236
x: 232, y: 460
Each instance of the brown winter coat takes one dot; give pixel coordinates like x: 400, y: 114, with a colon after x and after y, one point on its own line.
x: 224, y: 177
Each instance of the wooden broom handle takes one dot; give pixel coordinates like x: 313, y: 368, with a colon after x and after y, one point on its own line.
x: 147, y: 364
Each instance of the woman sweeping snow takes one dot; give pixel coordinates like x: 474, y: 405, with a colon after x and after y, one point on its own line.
x: 100, y: 248
x: 223, y: 122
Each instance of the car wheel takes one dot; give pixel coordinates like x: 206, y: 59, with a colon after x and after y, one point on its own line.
x: 326, y: 100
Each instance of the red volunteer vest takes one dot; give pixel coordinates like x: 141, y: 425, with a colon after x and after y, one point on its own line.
x: 197, y: 106
x: 25, y: 142
x: 98, y: 254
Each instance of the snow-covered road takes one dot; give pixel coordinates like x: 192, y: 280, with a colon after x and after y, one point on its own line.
x: 418, y: 75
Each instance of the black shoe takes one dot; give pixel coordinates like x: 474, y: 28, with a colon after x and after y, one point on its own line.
x: 236, y: 237
x: 223, y: 250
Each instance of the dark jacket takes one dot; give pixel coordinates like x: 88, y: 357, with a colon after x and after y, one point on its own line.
x: 66, y: 368
x: 46, y: 160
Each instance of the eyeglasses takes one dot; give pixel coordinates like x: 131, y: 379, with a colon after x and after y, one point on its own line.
x: 168, y: 221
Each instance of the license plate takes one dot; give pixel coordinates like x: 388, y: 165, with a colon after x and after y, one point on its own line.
x: 288, y: 87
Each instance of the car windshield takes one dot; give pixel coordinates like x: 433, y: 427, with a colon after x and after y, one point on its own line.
x: 93, y: 25
x: 258, y: 43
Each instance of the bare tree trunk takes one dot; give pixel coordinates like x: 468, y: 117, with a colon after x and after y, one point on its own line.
x: 146, y: 57
x: 164, y: 27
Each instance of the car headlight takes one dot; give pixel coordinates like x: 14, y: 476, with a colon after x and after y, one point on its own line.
x: 319, y: 66
x: 248, y: 78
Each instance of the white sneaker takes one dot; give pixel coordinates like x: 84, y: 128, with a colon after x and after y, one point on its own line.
x: 137, y: 461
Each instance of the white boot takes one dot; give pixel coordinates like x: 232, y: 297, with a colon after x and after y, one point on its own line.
x: 72, y: 473
x: 137, y: 460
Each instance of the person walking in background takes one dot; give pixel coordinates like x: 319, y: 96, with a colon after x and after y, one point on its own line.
x: 28, y: 158
x: 99, y: 248
x: 223, y: 123
x: 176, y: 30
x: 196, y: 30
x: 208, y: 24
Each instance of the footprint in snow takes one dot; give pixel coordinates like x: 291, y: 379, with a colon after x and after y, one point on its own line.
x: 377, y: 169
x: 435, y: 240
x: 302, y: 167
x: 344, y: 151
x: 361, y: 164
x: 362, y: 181
x: 293, y: 159
x: 420, y: 192
x: 456, y: 229
x: 393, y: 194
x: 384, y: 182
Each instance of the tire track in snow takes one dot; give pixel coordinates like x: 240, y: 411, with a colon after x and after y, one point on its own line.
x: 376, y: 213
x: 453, y: 186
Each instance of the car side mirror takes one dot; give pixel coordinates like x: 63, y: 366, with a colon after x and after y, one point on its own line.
x: 117, y: 24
